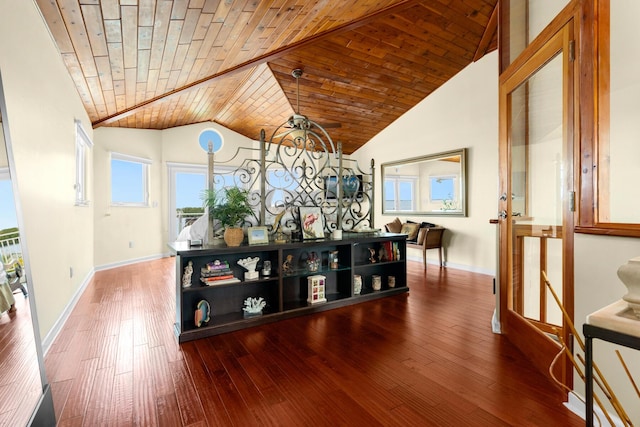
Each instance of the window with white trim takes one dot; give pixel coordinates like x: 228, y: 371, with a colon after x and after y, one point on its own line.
x: 129, y: 180
x: 399, y: 194
x: 83, y: 145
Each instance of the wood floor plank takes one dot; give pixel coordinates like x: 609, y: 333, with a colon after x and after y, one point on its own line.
x: 168, y: 411
x: 424, y: 358
x: 144, y: 398
x: 190, y: 409
x: 80, y: 393
x: 208, y: 397
x: 97, y: 412
x: 121, y: 411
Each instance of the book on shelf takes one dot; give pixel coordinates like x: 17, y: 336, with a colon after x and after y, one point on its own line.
x: 389, y: 251
x: 216, y: 265
x: 217, y: 278
x: 215, y: 273
x: 221, y: 281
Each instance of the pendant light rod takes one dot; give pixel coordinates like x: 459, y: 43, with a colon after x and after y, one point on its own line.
x: 297, y: 73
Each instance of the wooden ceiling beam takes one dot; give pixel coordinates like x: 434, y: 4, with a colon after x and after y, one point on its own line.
x: 395, y: 8
x: 487, y: 36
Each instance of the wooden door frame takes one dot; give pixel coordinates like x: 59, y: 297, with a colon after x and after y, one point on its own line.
x: 534, y: 343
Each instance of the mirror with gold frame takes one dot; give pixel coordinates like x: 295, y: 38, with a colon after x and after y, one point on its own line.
x: 427, y: 185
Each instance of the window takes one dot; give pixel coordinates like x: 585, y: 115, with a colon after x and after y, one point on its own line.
x: 398, y: 193
x: 442, y: 188
x: 129, y: 180
x: 83, y: 144
x: 280, y: 185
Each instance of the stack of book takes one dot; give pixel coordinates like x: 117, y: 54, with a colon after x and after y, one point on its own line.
x: 217, y: 273
x: 389, y: 251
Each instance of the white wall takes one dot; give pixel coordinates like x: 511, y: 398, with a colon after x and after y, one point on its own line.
x: 126, y: 233
x: 42, y: 104
x: 147, y: 228
x: 462, y: 113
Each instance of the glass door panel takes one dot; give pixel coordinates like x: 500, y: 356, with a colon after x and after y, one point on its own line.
x: 537, y: 176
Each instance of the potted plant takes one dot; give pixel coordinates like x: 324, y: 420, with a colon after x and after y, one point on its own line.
x: 231, y: 210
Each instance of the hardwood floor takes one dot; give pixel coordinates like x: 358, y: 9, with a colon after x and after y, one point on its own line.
x: 424, y: 358
x: 20, y: 386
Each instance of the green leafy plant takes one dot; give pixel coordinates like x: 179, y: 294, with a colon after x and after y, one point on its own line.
x: 230, y: 209
x: 448, y: 204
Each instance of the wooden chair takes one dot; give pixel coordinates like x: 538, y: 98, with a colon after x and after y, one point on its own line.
x: 432, y: 240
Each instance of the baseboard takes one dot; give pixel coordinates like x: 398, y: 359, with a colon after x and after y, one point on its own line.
x: 469, y: 268
x: 57, y: 327
x: 577, y: 405
x: 129, y: 262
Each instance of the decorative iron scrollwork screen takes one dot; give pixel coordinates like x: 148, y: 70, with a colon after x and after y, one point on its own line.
x: 299, y: 167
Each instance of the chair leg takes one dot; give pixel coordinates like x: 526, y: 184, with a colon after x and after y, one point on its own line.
x: 424, y: 258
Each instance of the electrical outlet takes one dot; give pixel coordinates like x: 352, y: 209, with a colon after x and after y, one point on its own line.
x: 70, y: 272
x: 131, y: 243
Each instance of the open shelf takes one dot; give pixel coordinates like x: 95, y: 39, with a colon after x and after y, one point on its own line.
x: 285, y: 294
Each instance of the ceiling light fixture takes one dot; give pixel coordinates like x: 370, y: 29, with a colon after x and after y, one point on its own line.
x: 302, y: 132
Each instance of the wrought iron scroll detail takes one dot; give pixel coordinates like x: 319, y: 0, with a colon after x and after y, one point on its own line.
x: 299, y: 166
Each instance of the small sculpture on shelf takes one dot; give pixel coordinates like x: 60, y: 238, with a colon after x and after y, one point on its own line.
x: 278, y: 236
x: 266, y: 268
x: 186, y: 277
x: 313, y: 262
x: 253, y: 306
x: 372, y: 257
x: 202, y: 314
x: 287, y: 265
x: 249, y: 264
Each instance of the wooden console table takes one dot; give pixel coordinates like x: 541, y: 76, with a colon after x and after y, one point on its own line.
x: 285, y: 292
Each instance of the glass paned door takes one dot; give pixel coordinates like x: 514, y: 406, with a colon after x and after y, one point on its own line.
x: 187, y: 182
x: 536, y: 180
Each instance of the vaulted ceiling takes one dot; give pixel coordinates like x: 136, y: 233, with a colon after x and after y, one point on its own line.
x: 157, y: 64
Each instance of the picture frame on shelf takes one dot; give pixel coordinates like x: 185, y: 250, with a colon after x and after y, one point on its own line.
x: 311, y: 222
x: 258, y: 235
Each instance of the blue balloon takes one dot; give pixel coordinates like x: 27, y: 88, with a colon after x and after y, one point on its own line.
x: 210, y: 136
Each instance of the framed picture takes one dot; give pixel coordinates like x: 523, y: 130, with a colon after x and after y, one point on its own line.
x: 351, y: 187
x: 258, y: 235
x: 311, y: 222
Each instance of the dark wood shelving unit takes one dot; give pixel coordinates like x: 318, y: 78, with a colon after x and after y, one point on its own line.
x: 285, y: 293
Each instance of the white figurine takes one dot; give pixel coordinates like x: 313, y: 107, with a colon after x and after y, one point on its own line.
x: 250, y: 265
x: 254, y: 305
x: 186, y: 277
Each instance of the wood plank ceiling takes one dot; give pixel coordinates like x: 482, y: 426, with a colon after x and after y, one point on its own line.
x: 157, y: 64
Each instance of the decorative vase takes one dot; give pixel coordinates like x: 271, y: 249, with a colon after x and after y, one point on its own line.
x: 313, y: 265
x: 629, y: 274
x: 376, y: 282
x: 233, y: 236
x: 357, y: 284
